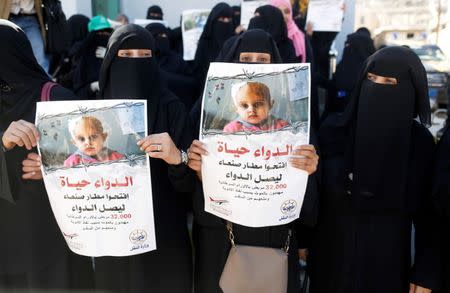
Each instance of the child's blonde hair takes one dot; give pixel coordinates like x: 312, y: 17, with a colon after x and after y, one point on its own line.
x: 258, y: 88
x: 90, y: 122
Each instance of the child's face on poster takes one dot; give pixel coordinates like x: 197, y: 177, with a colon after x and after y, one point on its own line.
x: 251, y: 107
x: 88, y: 139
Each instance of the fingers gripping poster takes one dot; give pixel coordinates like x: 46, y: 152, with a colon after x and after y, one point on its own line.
x: 97, y: 178
x: 254, y: 118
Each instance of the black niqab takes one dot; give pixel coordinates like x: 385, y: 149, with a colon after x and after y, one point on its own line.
x: 120, y: 77
x: 358, y: 48
x: 236, y: 15
x: 381, y: 118
x: 154, y: 9
x: 271, y: 20
x: 214, y: 35
x: 216, y: 30
x: 162, y: 43
x: 88, y: 68
x: 254, y: 40
x: 78, y: 25
x: 21, y: 77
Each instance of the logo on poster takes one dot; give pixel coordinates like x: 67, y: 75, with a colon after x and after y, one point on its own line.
x: 288, y: 206
x: 138, y: 236
x: 219, y: 205
x: 218, y: 201
x: 70, y: 236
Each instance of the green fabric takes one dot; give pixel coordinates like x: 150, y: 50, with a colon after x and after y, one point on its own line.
x: 98, y: 23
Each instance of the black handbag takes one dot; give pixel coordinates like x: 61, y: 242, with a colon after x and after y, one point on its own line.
x: 58, y: 34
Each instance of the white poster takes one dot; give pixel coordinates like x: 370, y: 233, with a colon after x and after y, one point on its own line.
x: 248, y: 8
x: 253, y: 117
x: 145, y: 22
x: 326, y: 15
x: 192, y: 24
x: 97, y: 178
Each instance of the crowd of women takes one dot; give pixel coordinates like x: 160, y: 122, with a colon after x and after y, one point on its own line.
x: 379, y: 173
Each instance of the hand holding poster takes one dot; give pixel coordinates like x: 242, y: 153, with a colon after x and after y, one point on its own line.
x: 97, y: 179
x: 326, y: 15
x: 253, y: 117
x: 192, y: 24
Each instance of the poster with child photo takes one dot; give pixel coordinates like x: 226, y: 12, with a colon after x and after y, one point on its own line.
x: 254, y: 116
x: 97, y: 178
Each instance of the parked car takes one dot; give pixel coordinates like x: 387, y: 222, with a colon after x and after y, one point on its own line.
x: 438, y: 72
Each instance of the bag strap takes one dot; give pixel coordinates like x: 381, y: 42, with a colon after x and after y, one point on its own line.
x: 231, y: 237
x: 46, y: 89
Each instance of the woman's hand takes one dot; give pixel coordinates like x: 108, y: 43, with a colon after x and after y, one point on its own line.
x: 31, y: 167
x: 161, y: 146
x: 20, y: 133
x: 239, y: 29
x: 305, y: 158
x: 413, y: 288
x: 195, y: 152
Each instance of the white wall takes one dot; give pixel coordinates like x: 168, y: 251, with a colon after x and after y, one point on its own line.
x: 72, y: 7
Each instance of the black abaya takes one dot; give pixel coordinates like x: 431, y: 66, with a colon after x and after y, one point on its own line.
x: 88, y: 65
x: 209, y: 232
x: 214, y: 35
x: 33, y: 252
x: 358, y: 47
x: 169, y: 268
x: 177, y: 72
x: 271, y: 20
x: 376, y: 161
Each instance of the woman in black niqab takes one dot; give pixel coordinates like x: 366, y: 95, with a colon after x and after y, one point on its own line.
x: 376, y: 161
x: 24, y: 204
x: 155, y: 12
x: 270, y: 19
x: 169, y: 268
x: 88, y: 65
x: 176, y: 71
x: 78, y: 25
x: 358, y: 47
x: 214, y: 35
x: 209, y: 232
x: 168, y: 60
x: 21, y: 77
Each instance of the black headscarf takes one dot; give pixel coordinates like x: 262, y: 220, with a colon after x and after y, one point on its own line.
x: 88, y: 67
x: 123, y: 77
x: 215, y: 30
x: 162, y: 43
x: 358, y: 48
x: 364, y: 31
x: 236, y: 15
x: 380, y: 119
x: 214, y: 35
x: 271, y: 20
x: 175, y: 70
x: 78, y: 25
x: 154, y: 9
x: 254, y: 40
x: 21, y: 77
